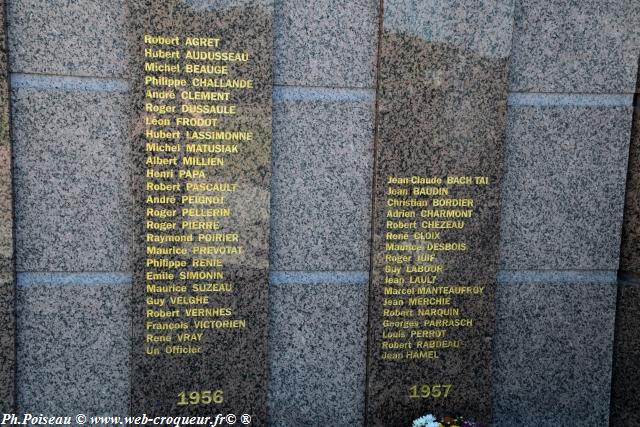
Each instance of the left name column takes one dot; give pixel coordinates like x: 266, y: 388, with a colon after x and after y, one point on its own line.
x: 201, y: 135
x: 7, y: 271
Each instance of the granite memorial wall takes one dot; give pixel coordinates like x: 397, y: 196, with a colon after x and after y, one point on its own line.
x: 431, y: 194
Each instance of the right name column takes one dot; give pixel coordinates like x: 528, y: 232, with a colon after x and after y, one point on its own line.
x: 441, y: 115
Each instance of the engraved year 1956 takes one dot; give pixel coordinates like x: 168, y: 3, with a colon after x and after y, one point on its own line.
x: 200, y: 397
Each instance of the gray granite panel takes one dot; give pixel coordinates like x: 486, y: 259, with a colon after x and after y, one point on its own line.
x: 575, y: 46
x: 625, y: 405
x: 563, y: 189
x: 67, y: 37
x: 317, y: 355
x: 72, y: 349
x: 72, y: 181
x: 325, y: 43
x: 6, y: 205
x: 6, y: 200
x: 630, y: 249
x: 553, y: 352
x: 321, y: 186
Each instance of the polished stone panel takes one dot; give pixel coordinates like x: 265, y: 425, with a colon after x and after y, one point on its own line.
x: 326, y: 43
x: 7, y: 297
x: 563, y: 189
x: 70, y: 147
x: 321, y: 187
x: 68, y: 37
x: 7, y: 345
x: 442, y: 102
x: 586, y: 46
x: 72, y: 349
x: 630, y: 249
x: 202, y: 176
x: 625, y: 406
x: 317, y: 349
x: 553, y: 351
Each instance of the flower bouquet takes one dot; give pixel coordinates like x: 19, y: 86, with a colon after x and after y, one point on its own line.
x: 431, y: 421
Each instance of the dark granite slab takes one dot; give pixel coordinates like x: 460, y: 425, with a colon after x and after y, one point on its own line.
x: 219, y: 231
x: 441, y: 113
x: 625, y: 405
x: 7, y: 281
x: 7, y: 346
x: 630, y: 248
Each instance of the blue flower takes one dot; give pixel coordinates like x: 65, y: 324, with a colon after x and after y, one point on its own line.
x: 426, y: 421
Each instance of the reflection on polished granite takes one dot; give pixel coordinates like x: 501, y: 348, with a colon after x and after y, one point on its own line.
x: 233, y: 359
x: 442, y: 101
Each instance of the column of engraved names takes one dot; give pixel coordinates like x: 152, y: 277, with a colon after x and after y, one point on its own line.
x: 423, y: 313
x: 192, y: 139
